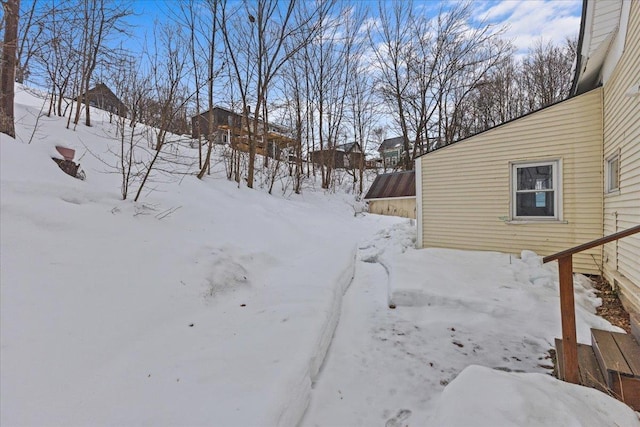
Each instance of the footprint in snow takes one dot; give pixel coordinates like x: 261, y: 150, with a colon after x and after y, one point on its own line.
x: 398, y: 420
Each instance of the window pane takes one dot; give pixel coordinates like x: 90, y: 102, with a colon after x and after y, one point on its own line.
x: 613, y: 174
x: 535, y: 178
x: 535, y: 204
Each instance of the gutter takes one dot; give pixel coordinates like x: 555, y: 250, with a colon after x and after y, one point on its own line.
x: 576, y: 77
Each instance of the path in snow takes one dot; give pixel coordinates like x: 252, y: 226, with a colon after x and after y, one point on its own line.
x: 454, y: 309
x: 376, y: 370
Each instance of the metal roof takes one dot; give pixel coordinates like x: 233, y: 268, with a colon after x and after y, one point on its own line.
x: 397, y: 184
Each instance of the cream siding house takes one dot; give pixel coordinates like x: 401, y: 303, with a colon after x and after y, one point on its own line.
x: 558, y: 177
x: 477, y: 209
x: 621, y: 160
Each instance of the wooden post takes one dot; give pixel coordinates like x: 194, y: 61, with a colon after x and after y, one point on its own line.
x: 568, y: 315
x: 567, y: 305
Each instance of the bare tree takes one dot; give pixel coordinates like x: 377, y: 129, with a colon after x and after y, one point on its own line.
x: 254, y: 36
x: 331, y: 66
x: 167, y: 70
x: 211, y: 72
x: 470, y: 56
x: 546, y: 73
x: 392, y: 53
x: 30, y: 31
x: 497, y: 98
x: 189, y: 16
x: 427, y: 68
x: 132, y: 88
x: 514, y: 88
x: 99, y: 19
x: 363, y: 113
x: 8, y: 66
x: 361, y: 107
x: 294, y: 94
x: 58, y: 55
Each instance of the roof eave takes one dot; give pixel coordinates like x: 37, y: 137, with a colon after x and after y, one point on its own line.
x: 579, y: 56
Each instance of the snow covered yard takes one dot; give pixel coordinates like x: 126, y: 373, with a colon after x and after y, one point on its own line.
x: 205, y: 304
x: 417, y: 364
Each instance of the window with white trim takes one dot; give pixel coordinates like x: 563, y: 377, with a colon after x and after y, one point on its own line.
x: 535, y: 190
x: 613, y: 173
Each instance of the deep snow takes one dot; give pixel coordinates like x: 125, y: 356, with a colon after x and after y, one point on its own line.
x: 208, y: 304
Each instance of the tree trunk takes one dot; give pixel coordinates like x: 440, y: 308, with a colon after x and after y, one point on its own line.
x: 8, y: 66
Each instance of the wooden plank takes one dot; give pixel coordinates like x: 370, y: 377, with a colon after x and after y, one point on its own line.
x: 568, y: 316
x: 629, y: 391
x: 559, y: 359
x: 630, y: 351
x: 609, y: 356
x: 634, y: 319
x: 590, y: 373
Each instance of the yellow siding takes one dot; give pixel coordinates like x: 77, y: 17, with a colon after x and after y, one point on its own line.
x: 466, y: 186
x: 622, y: 132
x: 400, y: 207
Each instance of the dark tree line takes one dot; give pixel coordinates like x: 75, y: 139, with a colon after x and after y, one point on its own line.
x: 516, y: 87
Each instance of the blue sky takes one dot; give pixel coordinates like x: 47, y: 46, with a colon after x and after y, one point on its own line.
x: 527, y: 20
x: 530, y: 20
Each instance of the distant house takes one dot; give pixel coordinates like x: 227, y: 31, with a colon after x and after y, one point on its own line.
x: 344, y: 156
x: 373, y: 163
x: 223, y: 121
x: 229, y: 127
x: 393, y: 194
x: 391, y: 151
x: 103, y: 98
x: 557, y: 177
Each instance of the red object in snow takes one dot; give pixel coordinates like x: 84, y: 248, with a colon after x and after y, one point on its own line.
x: 67, y: 153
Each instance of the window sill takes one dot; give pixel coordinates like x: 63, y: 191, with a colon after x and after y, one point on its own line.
x: 612, y: 193
x: 535, y: 221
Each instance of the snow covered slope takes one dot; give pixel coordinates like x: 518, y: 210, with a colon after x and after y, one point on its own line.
x: 209, y: 304
x: 202, y: 304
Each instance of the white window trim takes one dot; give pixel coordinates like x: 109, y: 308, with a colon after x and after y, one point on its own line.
x: 557, y: 187
x: 607, y: 188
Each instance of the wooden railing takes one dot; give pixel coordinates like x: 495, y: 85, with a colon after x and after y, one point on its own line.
x: 567, y: 303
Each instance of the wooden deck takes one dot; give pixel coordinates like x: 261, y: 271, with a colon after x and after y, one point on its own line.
x: 610, y: 364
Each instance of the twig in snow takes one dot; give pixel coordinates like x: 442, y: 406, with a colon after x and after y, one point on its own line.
x: 166, y: 213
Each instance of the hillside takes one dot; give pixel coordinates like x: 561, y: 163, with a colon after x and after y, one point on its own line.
x: 209, y: 304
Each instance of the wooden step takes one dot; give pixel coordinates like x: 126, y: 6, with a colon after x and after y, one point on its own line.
x: 618, y: 357
x: 590, y: 373
x: 634, y: 320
